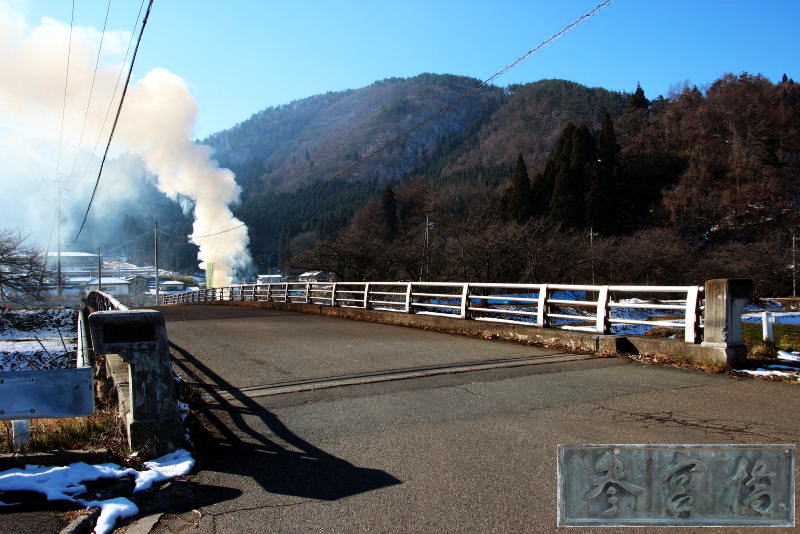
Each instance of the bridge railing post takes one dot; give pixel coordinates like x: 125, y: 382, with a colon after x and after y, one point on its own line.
x: 409, y: 298
x: 333, y: 294
x: 464, y: 312
x: 366, y: 295
x: 541, y: 307
x: 308, y: 289
x: 602, y: 325
x: 692, y: 309
x: 286, y: 292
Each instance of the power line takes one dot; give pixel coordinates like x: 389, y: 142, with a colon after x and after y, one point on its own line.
x: 451, y: 104
x: 66, y: 84
x: 116, y: 119
x: 114, y: 93
x: 91, y: 91
x: 138, y: 237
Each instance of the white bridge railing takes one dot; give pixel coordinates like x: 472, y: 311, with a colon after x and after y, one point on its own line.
x: 600, y: 309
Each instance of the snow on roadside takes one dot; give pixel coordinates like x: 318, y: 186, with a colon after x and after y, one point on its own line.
x: 770, y: 372
x: 43, y: 323
x: 65, y: 483
x: 788, y: 356
x: 27, y: 355
x: 764, y: 305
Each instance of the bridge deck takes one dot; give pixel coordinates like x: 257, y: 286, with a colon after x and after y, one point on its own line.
x: 254, y: 347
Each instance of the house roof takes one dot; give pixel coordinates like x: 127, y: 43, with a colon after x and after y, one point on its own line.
x: 72, y: 254
x: 310, y: 273
x: 108, y: 280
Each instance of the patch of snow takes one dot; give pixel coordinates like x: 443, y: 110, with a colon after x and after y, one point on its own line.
x: 183, y: 409
x: 788, y: 356
x: 42, y: 323
x: 65, y: 483
x: 26, y: 355
x: 110, y: 511
x: 763, y: 305
x: 789, y: 367
x: 780, y: 317
x: 768, y: 372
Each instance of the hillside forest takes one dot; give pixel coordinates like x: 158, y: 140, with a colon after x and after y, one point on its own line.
x: 543, y: 182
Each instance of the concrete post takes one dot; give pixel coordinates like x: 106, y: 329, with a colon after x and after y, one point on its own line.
x: 767, y: 322
x: 138, y: 360
x: 722, y: 329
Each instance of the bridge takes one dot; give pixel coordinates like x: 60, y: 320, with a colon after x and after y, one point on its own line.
x: 353, y: 414
x: 322, y: 422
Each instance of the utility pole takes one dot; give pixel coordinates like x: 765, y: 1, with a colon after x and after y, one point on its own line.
x: 99, y: 271
x: 156, y: 262
x: 427, y: 257
x: 794, y: 266
x: 591, y: 249
x: 59, y: 289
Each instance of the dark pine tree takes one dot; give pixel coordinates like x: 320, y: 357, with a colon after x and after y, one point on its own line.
x: 637, y: 99
x: 543, y: 184
x: 603, y: 178
x: 567, y: 205
x: 519, y: 196
x: 389, y: 212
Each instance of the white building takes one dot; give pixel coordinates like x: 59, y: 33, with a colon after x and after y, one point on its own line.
x: 172, y: 285
x: 111, y: 285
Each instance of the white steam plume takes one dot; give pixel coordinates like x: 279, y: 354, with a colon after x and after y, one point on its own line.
x: 156, y: 122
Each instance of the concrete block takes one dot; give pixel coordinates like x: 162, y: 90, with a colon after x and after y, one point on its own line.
x: 138, y: 362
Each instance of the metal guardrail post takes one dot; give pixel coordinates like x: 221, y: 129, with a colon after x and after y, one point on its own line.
x: 366, y: 296
x: 308, y: 288
x: 409, y: 298
x: 333, y: 294
x: 286, y: 292
x: 541, y: 307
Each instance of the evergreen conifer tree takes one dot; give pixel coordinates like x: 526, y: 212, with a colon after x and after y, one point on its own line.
x: 519, y: 197
x: 637, y: 99
x: 543, y: 184
x: 603, y: 181
x: 389, y: 212
x: 567, y: 205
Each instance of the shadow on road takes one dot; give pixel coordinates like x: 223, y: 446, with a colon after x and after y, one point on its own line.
x: 307, y: 471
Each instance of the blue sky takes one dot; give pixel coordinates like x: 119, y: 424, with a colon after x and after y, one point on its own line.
x: 241, y: 56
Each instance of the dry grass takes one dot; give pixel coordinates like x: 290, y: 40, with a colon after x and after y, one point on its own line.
x: 699, y: 365
x: 787, y: 337
x: 102, y: 429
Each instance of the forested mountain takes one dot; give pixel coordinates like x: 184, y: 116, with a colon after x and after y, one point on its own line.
x: 677, y: 189
x: 284, y: 157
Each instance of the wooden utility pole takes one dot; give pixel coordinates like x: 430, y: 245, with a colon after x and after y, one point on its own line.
x: 99, y: 271
x: 155, y: 235
x: 58, y: 258
x: 794, y: 267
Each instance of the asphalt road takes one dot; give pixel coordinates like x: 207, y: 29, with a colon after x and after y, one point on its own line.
x: 467, y: 452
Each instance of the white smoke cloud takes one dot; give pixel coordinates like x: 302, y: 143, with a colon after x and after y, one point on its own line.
x: 157, y: 123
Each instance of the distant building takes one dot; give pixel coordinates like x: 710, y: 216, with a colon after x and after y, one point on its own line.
x: 172, y: 285
x: 111, y: 285
x: 80, y: 261
x: 315, y: 276
x: 271, y: 278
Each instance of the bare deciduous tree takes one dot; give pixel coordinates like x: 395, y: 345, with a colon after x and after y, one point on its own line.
x: 22, y: 267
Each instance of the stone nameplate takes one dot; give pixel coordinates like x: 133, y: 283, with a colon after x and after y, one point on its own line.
x: 688, y: 485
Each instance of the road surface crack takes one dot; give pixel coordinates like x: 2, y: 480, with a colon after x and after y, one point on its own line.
x: 711, y: 425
